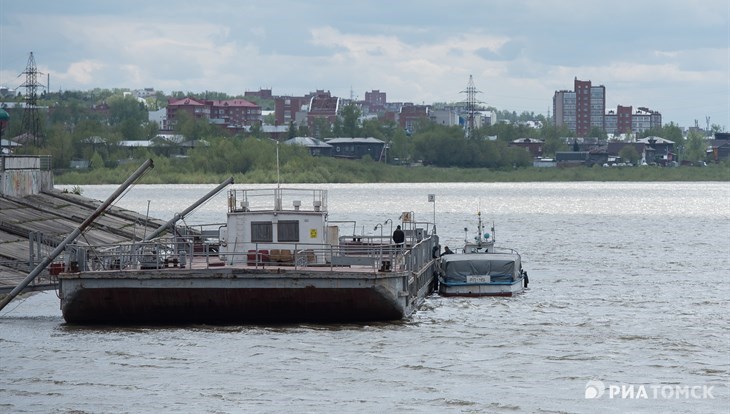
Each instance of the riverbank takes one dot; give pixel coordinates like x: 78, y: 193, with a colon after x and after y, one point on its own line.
x: 346, y: 172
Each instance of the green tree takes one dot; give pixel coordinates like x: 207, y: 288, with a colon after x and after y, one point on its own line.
x: 192, y: 128
x: 671, y: 132
x: 552, y: 137
x: 126, y: 109
x: 255, y: 130
x: 401, y: 146
x: 337, y: 130
x: 716, y: 128
x: 696, y: 147
x: 150, y: 129
x: 130, y: 129
x: 60, y: 145
x: 629, y: 153
x: 350, y: 121
x: 516, y: 157
x: 269, y: 119
x: 376, y: 129
x: 96, y: 161
x: 441, y: 145
x: 321, y: 128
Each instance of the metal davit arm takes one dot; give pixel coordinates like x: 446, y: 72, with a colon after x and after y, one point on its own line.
x: 189, y: 209
x: 74, y: 234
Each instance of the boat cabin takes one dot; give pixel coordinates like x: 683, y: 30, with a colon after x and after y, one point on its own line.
x: 487, y: 268
x: 275, y: 225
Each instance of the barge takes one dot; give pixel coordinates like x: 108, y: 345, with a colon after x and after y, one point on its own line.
x: 277, y: 259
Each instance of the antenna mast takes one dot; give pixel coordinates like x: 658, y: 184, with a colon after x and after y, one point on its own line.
x: 278, y: 181
x: 31, y: 120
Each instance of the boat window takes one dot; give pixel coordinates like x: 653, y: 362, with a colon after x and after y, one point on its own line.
x: 287, y: 231
x: 261, y: 231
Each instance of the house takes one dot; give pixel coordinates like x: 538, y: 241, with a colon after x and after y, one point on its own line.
x: 718, y: 149
x: 234, y: 113
x: 315, y: 146
x: 663, y: 149
x: 541, y: 162
x: 197, y: 108
x: 356, y: 148
x: 275, y: 132
x: 532, y: 145
x: 645, y: 152
x: 571, y: 158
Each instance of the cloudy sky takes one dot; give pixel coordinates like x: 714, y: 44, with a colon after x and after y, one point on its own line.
x: 669, y: 55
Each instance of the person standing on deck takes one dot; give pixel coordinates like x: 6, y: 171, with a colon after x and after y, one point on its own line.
x: 398, y: 236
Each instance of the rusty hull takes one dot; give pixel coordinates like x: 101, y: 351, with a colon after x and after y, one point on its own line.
x: 237, y: 296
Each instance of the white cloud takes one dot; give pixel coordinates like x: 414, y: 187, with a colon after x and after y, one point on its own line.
x: 519, y: 52
x: 83, y: 72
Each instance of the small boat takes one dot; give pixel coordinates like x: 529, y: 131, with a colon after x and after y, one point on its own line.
x: 278, y: 259
x: 481, y: 268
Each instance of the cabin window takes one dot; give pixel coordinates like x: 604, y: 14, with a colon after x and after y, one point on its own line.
x: 261, y: 232
x: 287, y: 231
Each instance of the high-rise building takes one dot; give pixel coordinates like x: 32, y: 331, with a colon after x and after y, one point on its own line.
x: 580, y: 109
x: 564, y: 109
x: 623, y: 119
x: 584, y: 108
x: 590, y: 106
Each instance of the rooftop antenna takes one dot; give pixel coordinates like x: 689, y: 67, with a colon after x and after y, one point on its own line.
x: 277, y: 166
x: 471, y: 106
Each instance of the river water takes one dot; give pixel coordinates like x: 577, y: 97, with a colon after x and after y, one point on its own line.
x: 628, y: 304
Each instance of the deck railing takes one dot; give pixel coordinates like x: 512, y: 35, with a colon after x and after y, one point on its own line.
x: 186, y: 252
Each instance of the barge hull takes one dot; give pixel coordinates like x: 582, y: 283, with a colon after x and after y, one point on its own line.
x: 228, y: 306
x: 232, y: 297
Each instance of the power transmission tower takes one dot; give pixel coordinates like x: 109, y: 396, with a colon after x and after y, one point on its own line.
x: 31, y: 119
x: 471, y: 106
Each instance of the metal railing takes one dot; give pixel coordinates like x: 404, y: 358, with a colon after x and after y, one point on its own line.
x: 186, y: 252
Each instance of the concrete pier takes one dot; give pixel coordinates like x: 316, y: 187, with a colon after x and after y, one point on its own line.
x: 50, y: 216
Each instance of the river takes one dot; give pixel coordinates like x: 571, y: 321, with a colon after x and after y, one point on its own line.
x: 627, y: 311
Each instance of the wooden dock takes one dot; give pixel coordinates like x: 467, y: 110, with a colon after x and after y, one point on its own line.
x: 52, y: 215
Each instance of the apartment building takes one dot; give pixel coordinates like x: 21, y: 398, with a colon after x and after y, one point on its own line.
x: 232, y: 114
x: 584, y: 108
x: 624, y: 120
x: 581, y: 109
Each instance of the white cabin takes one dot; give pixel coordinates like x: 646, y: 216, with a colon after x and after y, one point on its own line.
x: 275, y: 224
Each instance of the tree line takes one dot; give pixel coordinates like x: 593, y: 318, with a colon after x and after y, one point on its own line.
x: 74, y: 117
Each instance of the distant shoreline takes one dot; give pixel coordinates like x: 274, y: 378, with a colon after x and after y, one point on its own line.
x: 379, y: 173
